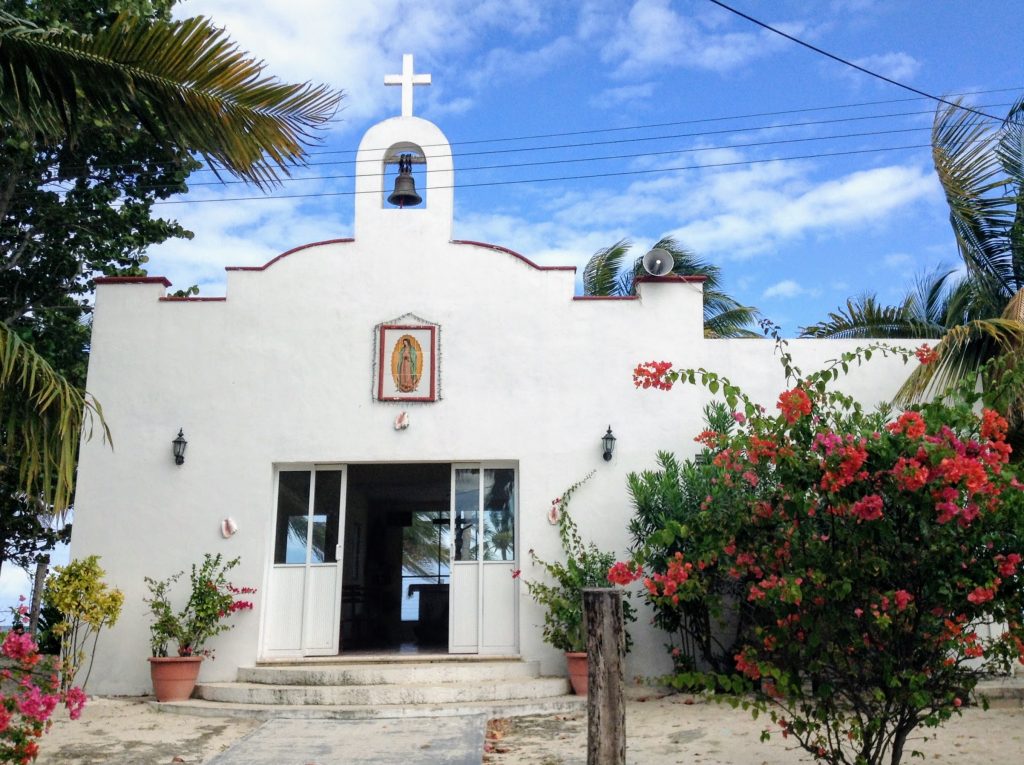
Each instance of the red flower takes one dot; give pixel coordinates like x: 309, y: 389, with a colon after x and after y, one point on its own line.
x: 903, y: 599
x: 622, y: 573
x: 981, y: 595
x: 868, y: 508
x: 993, y: 425
x: 909, y: 423
x: 794, y: 404
x: 652, y: 374
x: 926, y: 354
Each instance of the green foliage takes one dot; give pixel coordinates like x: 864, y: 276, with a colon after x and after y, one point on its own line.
x: 86, y: 605
x: 669, y: 516
x: 212, y: 599
x: 873, y: 554
x: 585, y: 566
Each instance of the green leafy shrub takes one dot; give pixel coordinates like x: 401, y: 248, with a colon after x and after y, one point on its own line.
x: 212, y: 599
x: 562, y: 596
x: 86, y: 605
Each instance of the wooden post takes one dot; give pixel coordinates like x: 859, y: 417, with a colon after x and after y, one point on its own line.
x: 606, y: 653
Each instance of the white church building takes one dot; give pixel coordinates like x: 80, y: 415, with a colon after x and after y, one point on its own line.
x: 380, y: 445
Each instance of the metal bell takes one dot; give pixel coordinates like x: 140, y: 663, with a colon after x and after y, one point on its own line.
x: 405, y: 194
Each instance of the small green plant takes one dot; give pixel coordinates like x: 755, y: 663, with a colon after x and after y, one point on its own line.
x: 585, y: 566
x: 211, y: 600
x: 86, y: 605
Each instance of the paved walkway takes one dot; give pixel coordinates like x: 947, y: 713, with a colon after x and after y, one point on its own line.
x: 408, y: 741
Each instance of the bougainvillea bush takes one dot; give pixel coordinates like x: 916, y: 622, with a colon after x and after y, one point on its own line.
x: 876, y: 555
x: 30, y: 690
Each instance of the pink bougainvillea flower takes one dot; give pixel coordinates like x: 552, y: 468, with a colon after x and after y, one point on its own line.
x: 516, y: 573
x: 981, y: 595
x: 903, y: 599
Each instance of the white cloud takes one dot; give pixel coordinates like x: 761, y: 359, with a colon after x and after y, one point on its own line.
x: 787, y: 288
x: 897, y: 260
x: 351, y: 45
x: 652, y: 35
x: 896, y: 66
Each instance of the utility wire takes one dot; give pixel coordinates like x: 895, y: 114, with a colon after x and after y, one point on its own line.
x: 511, y: 165
x: 559, y: 178
x: 834, y: 57
x: 689, y: 150
x: 509, y: 139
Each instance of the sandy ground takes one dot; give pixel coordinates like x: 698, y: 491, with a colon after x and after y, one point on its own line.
x: 660, y: 731
x: 128, y: 731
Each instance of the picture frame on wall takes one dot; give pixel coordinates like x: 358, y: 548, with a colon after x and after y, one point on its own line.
x: 407, y: 362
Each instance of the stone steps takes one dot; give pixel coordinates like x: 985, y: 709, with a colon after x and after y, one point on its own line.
x: 392, y: 694
x: 387, y: 688
x: 389, y: 673
x: 510, y: 708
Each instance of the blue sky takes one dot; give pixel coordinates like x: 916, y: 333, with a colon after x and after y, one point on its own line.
x: 794, y: 238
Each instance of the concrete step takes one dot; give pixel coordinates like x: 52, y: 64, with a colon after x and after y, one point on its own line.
x: 386, y: 694
x: 390, y: 673
x: 508, y: 708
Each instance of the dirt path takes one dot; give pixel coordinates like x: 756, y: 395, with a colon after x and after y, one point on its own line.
x: 676, y: 729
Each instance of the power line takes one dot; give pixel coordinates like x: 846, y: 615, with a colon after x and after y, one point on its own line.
x: 590, y: 144
x: 560, y: 178
x: 690, y: 150
x: 834, y: 57
x: 596, y: 131
x: 676, y: 123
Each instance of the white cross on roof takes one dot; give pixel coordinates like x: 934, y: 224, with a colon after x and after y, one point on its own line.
x: 407, y: 79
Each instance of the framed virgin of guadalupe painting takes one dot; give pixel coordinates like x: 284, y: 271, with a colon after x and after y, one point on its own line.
x: 407, y: 363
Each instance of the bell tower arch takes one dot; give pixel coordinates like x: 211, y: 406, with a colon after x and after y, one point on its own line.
x: 424, y: 150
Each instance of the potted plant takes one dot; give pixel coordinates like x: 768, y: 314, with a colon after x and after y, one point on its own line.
x: 211, y: 601
x: 585, y: 566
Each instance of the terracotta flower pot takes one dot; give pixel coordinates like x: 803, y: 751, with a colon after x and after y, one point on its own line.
x: 577, y: 664
x: 174, y: 677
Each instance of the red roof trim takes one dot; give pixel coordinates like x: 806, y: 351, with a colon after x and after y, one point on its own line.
x: 689, y: 278
x: 513, y: 253
x: 606, y: 297
x: 133, y: 280
x: 192, y: 299
x: 271, y: 262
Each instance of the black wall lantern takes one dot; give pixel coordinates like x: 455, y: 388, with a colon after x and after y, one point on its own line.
x: 179, y: 445
x: 608, y: 441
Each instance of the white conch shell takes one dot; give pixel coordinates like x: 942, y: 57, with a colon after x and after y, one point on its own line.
x: 402, y: 421
x: 228, y: 527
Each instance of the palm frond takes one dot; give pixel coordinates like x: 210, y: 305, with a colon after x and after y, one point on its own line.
x: 981, y: 213
x: 600, y: 275
x: 865, y: 317
x: 963, y: 349
x: 185, y: 80
x: 43, y: 417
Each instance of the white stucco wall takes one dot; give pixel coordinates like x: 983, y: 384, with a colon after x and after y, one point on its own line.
x: 281, y: 371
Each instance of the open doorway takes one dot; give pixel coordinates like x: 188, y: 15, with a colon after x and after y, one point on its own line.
x: 396, y: 577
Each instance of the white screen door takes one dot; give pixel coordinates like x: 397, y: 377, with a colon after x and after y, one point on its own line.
x: 484, y: 554
x: 304, y: 592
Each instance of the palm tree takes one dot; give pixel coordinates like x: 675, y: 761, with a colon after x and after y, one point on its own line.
x: 979, y: 316
x: 184, y: 82
x: 937, y: 302
x: 605, y: 275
